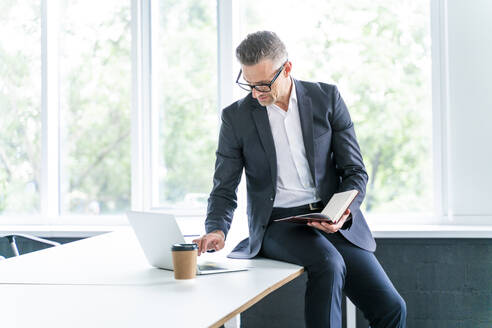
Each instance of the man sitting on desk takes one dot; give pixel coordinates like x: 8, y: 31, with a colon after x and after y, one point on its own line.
x: 297, y: 145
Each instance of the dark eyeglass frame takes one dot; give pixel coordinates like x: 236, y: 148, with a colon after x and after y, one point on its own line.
x: 266, y: 87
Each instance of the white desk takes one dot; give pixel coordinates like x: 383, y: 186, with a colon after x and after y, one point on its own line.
x: 105, y: 281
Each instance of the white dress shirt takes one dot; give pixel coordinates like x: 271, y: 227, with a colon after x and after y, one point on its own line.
x: 295, y: 184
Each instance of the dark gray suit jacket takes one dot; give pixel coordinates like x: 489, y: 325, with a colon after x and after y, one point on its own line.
x: 246, y: 141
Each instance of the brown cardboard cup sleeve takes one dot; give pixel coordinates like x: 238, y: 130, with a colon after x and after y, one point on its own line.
x: 184, y: 260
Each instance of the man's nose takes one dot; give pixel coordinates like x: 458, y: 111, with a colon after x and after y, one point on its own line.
x: 255, y: 93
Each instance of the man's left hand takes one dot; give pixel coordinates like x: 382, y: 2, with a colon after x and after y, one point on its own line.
x: 330, y: 227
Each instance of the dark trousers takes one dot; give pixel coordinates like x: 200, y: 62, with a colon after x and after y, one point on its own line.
x: 333, y: 265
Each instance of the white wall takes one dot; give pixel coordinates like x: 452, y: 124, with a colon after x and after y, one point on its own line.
x: 470, y: 107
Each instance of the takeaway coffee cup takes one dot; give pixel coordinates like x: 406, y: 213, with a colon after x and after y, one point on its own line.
x: 184, y: 260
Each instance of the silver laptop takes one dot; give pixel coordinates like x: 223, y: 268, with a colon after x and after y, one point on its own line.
x: 157, y: 232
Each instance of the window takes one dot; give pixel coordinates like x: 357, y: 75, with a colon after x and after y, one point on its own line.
x: 157, y: 61
x: 20, y: 107
x: 65, y: 95
x: 184, y: 94
x: 378, y: 54
x: 95, y: 101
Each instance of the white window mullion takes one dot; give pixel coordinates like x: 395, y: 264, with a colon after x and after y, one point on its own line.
x: 440, y: 107
x: 153, y: 51
x: 141, y: 164
x: 227, y: 31
x: 50, y: 112
x: 136, y: 114
x: 146, y: 105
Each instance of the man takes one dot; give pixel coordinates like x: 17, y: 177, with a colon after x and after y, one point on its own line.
x: 297, y: 145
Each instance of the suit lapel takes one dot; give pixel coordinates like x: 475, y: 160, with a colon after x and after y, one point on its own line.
x: 262, y: 123
x: 306, y: 116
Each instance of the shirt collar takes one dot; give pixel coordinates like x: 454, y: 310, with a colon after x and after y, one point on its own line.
x: 293, y: 94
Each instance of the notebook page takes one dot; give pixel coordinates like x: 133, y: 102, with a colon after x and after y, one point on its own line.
x: 338, y: 204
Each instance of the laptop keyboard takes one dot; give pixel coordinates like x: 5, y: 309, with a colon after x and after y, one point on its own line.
x: 210, y: 266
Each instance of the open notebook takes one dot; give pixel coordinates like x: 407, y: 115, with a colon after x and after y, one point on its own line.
x: 332, y: 212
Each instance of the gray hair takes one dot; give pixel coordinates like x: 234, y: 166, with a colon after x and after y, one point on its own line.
x: 261, y: 45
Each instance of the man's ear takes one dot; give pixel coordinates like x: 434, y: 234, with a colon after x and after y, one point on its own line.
x: 287, y: 69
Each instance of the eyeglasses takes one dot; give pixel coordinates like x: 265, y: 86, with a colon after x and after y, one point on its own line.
x: 264, y: 87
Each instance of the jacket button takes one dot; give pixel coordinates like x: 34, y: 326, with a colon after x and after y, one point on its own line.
x: 271, y: 198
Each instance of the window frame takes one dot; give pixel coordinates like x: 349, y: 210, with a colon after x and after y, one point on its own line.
x: 144, y: 189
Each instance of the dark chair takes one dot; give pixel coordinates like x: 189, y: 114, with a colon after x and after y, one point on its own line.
x: 13, y: 244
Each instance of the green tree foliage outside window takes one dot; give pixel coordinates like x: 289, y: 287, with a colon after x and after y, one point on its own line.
x: 95, y: 65
x: 20, y: 106
x: 186, y: 88
x: 378, y: 54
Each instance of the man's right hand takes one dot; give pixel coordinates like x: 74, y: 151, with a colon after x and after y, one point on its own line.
x: 214, y: 240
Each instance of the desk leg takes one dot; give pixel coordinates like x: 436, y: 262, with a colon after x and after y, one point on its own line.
x: 234, y: 322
